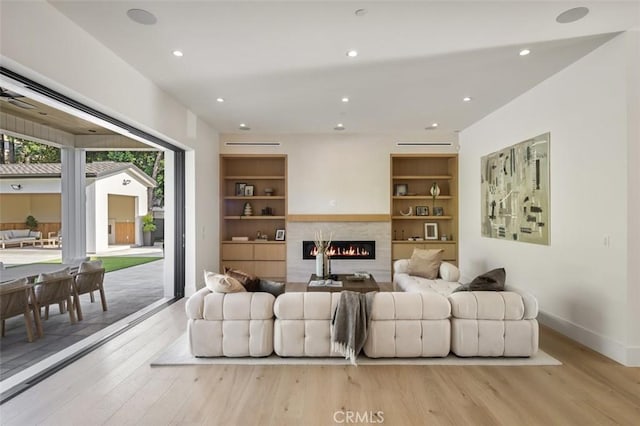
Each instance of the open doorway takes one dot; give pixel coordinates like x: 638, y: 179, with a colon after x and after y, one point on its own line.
x: 115, y: 190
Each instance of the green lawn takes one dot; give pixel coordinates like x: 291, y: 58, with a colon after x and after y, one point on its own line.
x: 114, y: 263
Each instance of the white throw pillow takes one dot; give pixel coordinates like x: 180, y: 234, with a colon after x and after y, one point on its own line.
x: 219, y: 283
x: 449, y: 272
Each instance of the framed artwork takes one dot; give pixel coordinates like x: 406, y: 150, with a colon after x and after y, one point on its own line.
x: 422, y: 211
x: 248, y: 191
x: 515, y: 192
x: 240, y: 189
x: 430, y: 231
x: 400, y: 189
x: 280, y: 233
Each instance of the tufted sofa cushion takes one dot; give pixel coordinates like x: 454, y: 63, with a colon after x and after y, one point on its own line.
x: 409, y: 325
x: 302, y: 326
x: 230, y: 324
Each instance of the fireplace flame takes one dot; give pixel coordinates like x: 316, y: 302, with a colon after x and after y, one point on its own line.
x: 347, y: 251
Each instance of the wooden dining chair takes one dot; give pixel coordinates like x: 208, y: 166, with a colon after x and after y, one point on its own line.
x: 89, y: 279
x: 17, y: 298
x: 58, y: 288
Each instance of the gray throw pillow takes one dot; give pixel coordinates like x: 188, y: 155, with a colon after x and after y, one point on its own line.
x: 489, y: 281
x: 272, y: 287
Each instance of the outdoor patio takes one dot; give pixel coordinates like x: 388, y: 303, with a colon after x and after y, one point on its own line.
x: 127, y: 291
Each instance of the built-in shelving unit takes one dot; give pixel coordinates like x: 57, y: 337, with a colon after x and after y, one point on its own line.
x: 416, y: 173
x: 264, y: 258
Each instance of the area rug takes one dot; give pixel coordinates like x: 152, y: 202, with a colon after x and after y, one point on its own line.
x: 178, y: 354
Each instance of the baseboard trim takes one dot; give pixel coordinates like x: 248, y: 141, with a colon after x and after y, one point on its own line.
x: 599, y: 343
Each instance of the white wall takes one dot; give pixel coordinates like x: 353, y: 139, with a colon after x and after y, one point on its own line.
x: 42, y: 44
x: 581, y: 283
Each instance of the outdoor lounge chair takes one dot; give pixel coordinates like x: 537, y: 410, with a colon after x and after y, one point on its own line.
x: 17, y: 298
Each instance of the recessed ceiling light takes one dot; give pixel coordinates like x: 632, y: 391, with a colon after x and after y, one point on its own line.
x: 339, y: 126
x: 434, y: 124
x: 572, y: 15
x: 220, y: 100
x: 345, y: 99
x: 467, y: 99
x: 141, y: 16
x: 361, y: 12
x: 352, y: 53
x: 178, y: 53
x: 244, y: 127
x: 524, y: 52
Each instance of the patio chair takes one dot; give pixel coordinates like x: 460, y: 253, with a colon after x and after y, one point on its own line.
x: 90, y: 278
x: 55, y: 288
x: 17, y: 298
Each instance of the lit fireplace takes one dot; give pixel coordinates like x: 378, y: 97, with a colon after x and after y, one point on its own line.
x: 355, y: 250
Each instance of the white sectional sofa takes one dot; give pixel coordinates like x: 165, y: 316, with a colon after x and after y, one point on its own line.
x: 425, y: 319
x: 483, y: 323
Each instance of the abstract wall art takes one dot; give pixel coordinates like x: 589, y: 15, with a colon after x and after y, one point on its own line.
x: 515, y: 192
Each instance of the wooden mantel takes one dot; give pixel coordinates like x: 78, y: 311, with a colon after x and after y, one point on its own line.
x: 338, y: 218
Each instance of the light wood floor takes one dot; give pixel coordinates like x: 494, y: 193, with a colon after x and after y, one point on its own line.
x: 115, y: 385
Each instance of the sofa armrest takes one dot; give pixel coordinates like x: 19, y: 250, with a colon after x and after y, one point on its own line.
x: 195, y: 304
x: 401, y: 266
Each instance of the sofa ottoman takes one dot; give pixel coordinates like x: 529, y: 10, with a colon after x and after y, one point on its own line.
x: 230, y: 324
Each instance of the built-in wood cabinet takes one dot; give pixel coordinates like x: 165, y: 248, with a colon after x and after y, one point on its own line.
x: 412, y: 176
x: 267, y: 175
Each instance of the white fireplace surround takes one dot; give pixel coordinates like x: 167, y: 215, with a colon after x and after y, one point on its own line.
x: 299, y: 270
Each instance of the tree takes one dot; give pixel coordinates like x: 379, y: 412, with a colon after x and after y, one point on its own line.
x: 17, y: 150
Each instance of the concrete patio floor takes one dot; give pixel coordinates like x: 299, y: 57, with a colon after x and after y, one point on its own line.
x: 127, y: 291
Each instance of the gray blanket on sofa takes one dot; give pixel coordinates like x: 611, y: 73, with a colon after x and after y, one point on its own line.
x: 350, y: 323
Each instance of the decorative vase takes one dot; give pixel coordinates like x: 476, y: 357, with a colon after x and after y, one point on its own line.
x: 320, y: 265
x: 435, y: 190
x: 247, y: 210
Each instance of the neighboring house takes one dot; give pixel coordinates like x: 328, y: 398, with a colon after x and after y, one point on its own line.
x: 116, y: 197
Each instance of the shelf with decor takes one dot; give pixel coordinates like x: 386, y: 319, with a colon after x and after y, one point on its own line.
x: 418, y: 218
x: 253, y: 194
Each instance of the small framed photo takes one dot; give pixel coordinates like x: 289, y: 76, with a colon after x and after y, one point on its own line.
x: 430, y: 231
x: 280, y: 233
x: 400, y: 189
x: 248, y: 191
x: 438, y: 211
x: 240, y: 189
x: 422, y: 211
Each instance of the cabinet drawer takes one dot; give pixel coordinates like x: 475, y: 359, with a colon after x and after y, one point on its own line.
x: 269, y: 252
x: 237, y: 251
x: 270, y: 269
x: 244, y: 266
